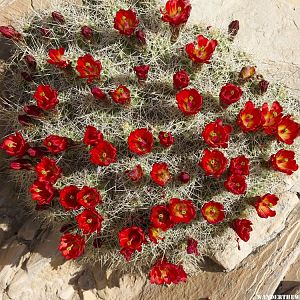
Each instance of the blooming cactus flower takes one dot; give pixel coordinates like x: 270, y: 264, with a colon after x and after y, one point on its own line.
x: 56, y: 144
x: 243, y: 228
x: 213, y: 212
x: 176, y: 12
x: 88, y: 197
x: 271, y: 117
x: 181, y: 211
x: 103, y: 154
x: 236, y: 184
x: 284, y: 161
x: 160, y: 174
x: 92, y: 136
x: 67, y: 197
x: 121, y: 95
x: 140, y: 141
x: 141, y: 71
x: 131, y: 239
x: 88, y: 68
x: 201, y: 51
x: 154, y: 234
x: 10, y: 32
x: 136, y: 174
x: 89, y: 221
x: 230, y: 94
x: 239, y: 165
x: 215, y: 134
x: 126, y: 21
x: 48, y: 170
x: 46, y: 97
x: 189, y: 101
x: 249, y: 118
x: 287, y: 130
x: 71, y: 245
x: 164, y: 272
x: 42, y: 192
x: 15, y: 145
x: 213, y: 162
x: 57, y: 58
x: 181, y: 80
x: 161, y: 218
x: 264, y: 204
x: 166, y: 139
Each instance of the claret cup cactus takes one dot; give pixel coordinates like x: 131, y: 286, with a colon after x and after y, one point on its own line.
x: 142, y: 136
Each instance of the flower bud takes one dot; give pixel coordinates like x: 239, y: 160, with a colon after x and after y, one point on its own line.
x: 31, y: 62
x: 33, y: 110
x: 263, y: 86
x: 26, y: 76
x: 86, y: 32
x: 45, y: 32
x: 141, y: 36
x: 21, y: 164
x: 58, y: 17
x: 247, y: 72
x: 25, y: 120
x: 10, y: 32
x: 37, y: 152
x: 233, y: 28
x: 98, y: 93
x: 184, y: 177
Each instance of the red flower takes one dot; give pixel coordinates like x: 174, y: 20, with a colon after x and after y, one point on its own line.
x: 42, y: 192
x: 88, y: 68
x: 202, y: 51
x: 136, y: 174
x: 21, y: 164
x: 181, y: 80
x: 213, y: 162
x: 131, y: 239
x: 33, y: 110
x: 10, y: 32
x: 184, y: 177
x: 249, y: 118
x: 140, y: 141
x: 160, y: 174
x: 189, y: 101
x: 192, y: 247
x: 243, y: 228
x: 264, y: 204
x: 160, y: 217
x: 247, y: 72
x: 230, y: 94
x: 67, y: 197
x: 46, y: 97
x: 103, y: 154
x: 287, y: 130
x: 126, y: 21
x: 89, y: 221
x: 57, y: 58
x: 15, y: 145
x: 88, y: 197
x: 271, y: 118
x: 236, y: 184
x: 56, y: 144
x: 92, y: 136
x: 121, y: 95
x: 154, y: 234
x: 217, y: 135
x: 284, y: 161
x: 176, y: 12
x: 181, y: 211
x: 58, y: 17
x: 165, y: 272
x: 30, y: 61
x: 71, y: 245
x: 86, y: 32
x: 213, y: 212
x: 48, y: 170
x: 239, y: 165
x: 98, y: 93
x: 166, y: 139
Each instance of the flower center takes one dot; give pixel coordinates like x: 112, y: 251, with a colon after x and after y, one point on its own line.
x: 231, y: 93
x: 160, y: 217
x: 70, y: 247
x: 89, y: 221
